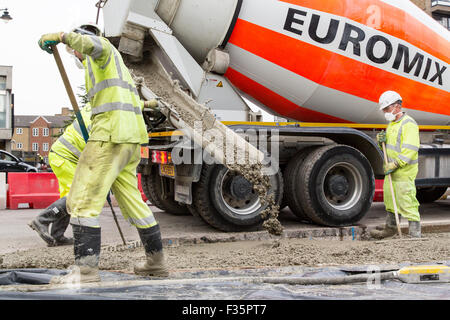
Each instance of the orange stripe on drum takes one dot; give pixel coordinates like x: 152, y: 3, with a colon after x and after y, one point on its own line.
x: 385, y: 18
x: 334, y: 70
x: 276, y: 102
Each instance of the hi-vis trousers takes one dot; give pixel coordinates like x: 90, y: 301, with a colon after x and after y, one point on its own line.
x: 64, y: 171
x: 104, y: 166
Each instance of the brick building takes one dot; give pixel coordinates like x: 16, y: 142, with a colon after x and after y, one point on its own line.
x: 438, y: 9
x: 36, y: 134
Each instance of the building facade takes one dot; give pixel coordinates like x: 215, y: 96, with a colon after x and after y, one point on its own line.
x: 36, y: 134
x: 438, y: 9
x: 6, y: 107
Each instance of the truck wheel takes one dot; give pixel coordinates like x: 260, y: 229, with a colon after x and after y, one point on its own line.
x: 427, y: 195
x: 227, y: 201
x: 153, y: 190
x: 284, y: 203
x: 337, y: 186
x: 291, y: 183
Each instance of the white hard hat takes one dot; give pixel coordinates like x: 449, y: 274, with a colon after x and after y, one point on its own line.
x: 388, y: 98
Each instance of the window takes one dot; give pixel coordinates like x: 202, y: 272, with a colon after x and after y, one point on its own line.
x: 6, y: 157
x: 35, y: 146
x: 45, y: 132
x: 45, y: 147
x: 35, y: 132
x: 19, y: 130
x: 2, y: 82
x: 19, y: 145
x: 442, y: 19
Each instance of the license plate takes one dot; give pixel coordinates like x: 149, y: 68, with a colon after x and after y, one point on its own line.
x: 167, y: 170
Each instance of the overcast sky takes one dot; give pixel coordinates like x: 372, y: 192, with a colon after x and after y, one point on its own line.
x: 37, y: 84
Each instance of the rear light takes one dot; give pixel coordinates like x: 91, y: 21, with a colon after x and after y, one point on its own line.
x: 161, y: 157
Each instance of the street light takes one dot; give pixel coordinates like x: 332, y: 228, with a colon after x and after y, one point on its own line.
x: 5, y: 17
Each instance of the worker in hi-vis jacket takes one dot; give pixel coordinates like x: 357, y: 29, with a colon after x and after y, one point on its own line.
x: 402, y: 148
x: 111, y: 155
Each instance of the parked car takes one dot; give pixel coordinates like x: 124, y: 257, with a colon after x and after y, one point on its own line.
x: 10, y: 163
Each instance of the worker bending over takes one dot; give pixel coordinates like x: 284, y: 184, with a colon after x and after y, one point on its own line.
x: 402, y: 148
x: 111, y: 155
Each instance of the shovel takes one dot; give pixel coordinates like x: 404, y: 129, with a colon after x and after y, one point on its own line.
x: 392, y: 193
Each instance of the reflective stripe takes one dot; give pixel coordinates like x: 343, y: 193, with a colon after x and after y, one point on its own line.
x: 119, y: 70
x: 398, y: 147
x: 145, y: 222
x: 91, y: 73
x: 407, y: 160
x: 106, y: 64
x: 87, y: 222
x: 390, y: 146
x: 108, y: 83
x: 77, y: 127
x: 410, y: 147
x: 112, y: 106
x: 70, y: 146
x: 98, y: 47
x: 399, y: 136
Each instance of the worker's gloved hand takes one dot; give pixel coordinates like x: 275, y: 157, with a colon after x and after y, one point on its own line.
x: 390, y: 167
x: 48, y: 40
x: 381, y: 137
x: 153, y: 103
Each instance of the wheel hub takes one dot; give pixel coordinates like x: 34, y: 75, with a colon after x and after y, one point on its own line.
x: 240, y: 188
x: 338, y: 186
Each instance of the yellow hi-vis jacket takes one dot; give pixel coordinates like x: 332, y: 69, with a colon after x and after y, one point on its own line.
x: 402, y: 146
x: 116, y: 106
x: 70, y: 145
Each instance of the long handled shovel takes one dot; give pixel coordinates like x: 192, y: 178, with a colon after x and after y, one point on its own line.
x: 74, y: 103
x: 392, y: 193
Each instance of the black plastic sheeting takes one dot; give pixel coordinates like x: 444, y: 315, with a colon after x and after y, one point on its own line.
x: 28, y: 276
x: 232, y: 289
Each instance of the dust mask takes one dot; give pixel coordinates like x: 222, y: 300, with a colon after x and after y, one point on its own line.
x: 390, y: 116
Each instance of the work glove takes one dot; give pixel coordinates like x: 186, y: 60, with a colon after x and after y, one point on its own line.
x: 390, y: 167
x: 153, y: 104
x: 48, y: 40
x: 381, y: 137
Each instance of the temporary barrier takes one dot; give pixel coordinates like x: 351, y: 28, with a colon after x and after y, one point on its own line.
x: 378, y: 197
x: 37, y: 189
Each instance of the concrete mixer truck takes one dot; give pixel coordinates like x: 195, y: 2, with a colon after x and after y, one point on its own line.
x: 318, y: 66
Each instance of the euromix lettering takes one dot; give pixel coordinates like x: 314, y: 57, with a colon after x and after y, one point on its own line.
x: 365, y: 44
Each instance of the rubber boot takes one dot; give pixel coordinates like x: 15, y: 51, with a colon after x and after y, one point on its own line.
x: 383, y: 226
x: 390, y: 228
x: 414, y: 229
x: 155, y: 265
x: 60, y: 224
x: 41, y: 223
x: 87, y: 243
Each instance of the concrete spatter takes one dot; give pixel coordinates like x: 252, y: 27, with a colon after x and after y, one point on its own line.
x: 251, y: 254
x: 155, y: 77
x: 261, y: 185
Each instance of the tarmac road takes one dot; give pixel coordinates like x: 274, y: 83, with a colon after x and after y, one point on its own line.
x: 16, y: 235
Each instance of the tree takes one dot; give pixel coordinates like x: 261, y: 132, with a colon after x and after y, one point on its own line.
x: 83, y: 100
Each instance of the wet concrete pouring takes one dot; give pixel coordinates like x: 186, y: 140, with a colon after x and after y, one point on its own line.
x: 195, y: 250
